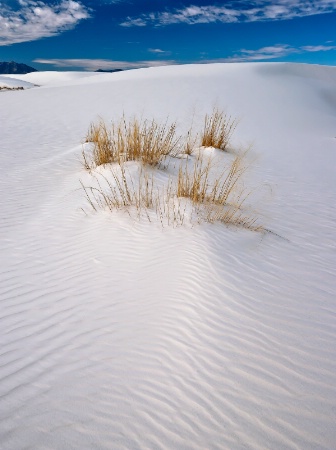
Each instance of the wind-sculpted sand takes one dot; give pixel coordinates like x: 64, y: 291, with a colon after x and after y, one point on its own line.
x: 117, y: 333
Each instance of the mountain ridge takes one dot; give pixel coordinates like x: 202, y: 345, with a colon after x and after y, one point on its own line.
x: 12, y: 67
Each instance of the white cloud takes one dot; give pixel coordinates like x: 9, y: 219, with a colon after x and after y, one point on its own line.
x: 318, y: 48
x: 156, y: 50
x: 235, y: 11
x: 36, y: 19
x: 274, y: 52
x: 105, y: 64
x: 264, y: 53
x: 244, y: 55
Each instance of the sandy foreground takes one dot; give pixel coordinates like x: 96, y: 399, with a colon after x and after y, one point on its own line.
x: 119, y: 334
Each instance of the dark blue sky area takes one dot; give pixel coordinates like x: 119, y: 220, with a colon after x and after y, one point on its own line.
x: 108, y: 34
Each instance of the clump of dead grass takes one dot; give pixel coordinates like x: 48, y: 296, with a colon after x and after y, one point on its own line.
x: 218, y: 129
x: 147, y: 141
x: 198, y: 193
x: 193, y: 183
x: 217, y: 196
x: 102, y: 153
x: 138, y: 195
x: 120, y: 191
x: 11, y: 88
x: 197, y: 187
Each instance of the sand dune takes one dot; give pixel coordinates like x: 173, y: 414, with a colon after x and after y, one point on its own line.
x: 121, y: 334
x: 11, y: 82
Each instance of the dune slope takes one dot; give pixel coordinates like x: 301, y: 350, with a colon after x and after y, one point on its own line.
x: 119, y: 334
x: 13, y: 83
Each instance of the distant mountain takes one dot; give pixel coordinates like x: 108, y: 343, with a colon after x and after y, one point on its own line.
x: 109, y: 71
x: 12, y: 68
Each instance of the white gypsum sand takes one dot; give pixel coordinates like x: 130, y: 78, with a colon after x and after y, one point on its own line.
x: 119, y: 334
x: 9, y: 82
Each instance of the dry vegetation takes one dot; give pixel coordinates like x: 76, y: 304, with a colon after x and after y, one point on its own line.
x: 148, y: 142
x: 8, y: 88
x: 216, y: 196
x: 151, y: 142
x: 138, y: 195
x: 196, y: 189
x: 218, y: 129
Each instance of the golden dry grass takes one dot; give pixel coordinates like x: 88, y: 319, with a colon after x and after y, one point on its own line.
x: 190, y: 140
x: 193, y: 183
x: 101, y: 138
x: 211, y: 197
x: 217, y: 196
x: 119, y: 191
x: 147, y: 141
x: 218, y: 129
x: 198, y: 186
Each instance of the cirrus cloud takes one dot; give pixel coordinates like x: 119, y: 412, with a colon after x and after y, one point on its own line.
x: 235, y: 11
x: 273, y: 52
x: 36, y: 19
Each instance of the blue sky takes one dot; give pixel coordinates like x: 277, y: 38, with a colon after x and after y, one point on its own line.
x: 109, y: 34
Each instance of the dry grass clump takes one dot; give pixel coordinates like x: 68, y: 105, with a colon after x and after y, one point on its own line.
x: 190, y: 143
x: 217, y: 196
x: 137, y: 194
x: 151, y: 142
x: 198, y: 190
x: 102, y: 152
x: 13, y: 88
x: 147, y: 141
x: 121, y: 191
x: 218, y: 129
x: 197, y: 185
x: 193, y: 183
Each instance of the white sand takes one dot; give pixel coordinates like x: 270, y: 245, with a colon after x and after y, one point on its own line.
x: 10, y: 82
x: 118, y: 334
x: 54, y: 78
